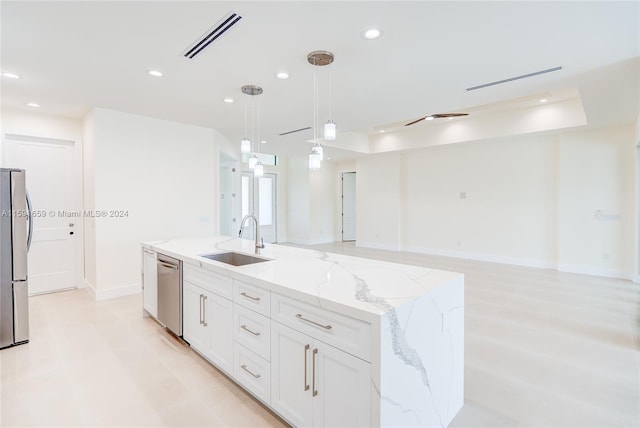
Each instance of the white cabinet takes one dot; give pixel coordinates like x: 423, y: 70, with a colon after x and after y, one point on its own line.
x: 150, y: 282
x: 193, y: 329
x: 315, y: 384
x: 208, y: 317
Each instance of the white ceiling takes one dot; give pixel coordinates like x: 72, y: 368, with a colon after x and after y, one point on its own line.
x: 77, y: 55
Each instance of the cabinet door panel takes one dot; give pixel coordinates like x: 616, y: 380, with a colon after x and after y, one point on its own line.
x: 218, y: 318
x: 150, y: 282
x: 193, y: 330
x: 290, y: 376
x: 342, y: 386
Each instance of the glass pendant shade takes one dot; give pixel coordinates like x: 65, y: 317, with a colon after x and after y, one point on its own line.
x: 314, y: 160
x: 258, y: 170
x: 253, y: 160
x: 245, y: 146
x: 318, y: 149
x: 330, y: 130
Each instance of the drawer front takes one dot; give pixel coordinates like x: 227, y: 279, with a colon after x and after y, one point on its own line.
x: 252, y: 372
x: 252, y: 330
x: 345, y: 333
x: 252, y: 297
x: 210, y: 281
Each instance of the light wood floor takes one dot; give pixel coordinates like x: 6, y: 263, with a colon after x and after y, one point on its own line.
x: 542, y: 348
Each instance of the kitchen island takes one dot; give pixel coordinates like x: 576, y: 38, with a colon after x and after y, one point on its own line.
x: 325, y: 339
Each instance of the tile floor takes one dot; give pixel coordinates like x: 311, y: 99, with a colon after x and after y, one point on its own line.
x: 543, y: 349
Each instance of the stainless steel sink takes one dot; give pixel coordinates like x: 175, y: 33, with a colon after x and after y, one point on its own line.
x: 234, y: 259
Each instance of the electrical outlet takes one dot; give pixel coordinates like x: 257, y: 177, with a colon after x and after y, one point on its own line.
x: 458, y: 242
x: 463, y: 195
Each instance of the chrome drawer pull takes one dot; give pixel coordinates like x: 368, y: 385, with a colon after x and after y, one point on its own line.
x: 300, y: 317
x: 255, y: 299
x: 244, y: 367
x: 255, y: 333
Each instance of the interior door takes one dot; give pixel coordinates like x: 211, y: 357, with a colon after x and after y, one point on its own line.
x: 348, y: 206
x: 260, y: 191
x: 56, y: 217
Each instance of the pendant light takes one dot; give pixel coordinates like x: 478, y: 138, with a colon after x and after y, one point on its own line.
x: 245, y: 145
x: 330, y: 126
x: 314, y: 159
x: 319, y: 59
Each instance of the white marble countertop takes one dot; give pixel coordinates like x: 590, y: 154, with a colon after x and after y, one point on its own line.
x: 355, y: 286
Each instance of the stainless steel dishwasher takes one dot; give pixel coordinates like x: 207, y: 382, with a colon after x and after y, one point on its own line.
x: 170, y: 293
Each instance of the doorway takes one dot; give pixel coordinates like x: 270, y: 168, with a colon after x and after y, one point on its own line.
x: 260, y: 193
x: 49, y: 166
x: 348, y: 206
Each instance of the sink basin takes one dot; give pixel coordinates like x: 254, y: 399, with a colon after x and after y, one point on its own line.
x: 234, y: 259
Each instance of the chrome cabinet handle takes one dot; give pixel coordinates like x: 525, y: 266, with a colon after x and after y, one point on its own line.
x: 313, y: 372
x: 244, y: 367
x: 326, y: 327
x: 255, y: 333
x: 255, y: 299
x: 306, y: 383
x: 200, y: 307
x: 204, y: 313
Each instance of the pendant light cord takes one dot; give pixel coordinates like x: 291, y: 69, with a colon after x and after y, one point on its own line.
x: 330, y: 68
x: 258, y: 142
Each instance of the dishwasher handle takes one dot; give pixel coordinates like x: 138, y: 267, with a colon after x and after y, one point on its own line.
x: 168, y: 266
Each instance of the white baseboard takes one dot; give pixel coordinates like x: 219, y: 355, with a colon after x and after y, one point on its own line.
x: 594, y: 270
x: 115, y: 292
x: 378, y: 245
x: 636, y: 279
x: 517, y: 261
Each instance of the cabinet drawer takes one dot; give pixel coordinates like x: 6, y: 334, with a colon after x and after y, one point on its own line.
x: 252, y: 372
x: 346, y: 333
x: 252, y: 330
x: 210, y: 281
x: 252, y: 297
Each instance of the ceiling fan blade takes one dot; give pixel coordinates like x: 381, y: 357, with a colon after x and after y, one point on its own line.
x: 415, y: 121
x: 443, y: 115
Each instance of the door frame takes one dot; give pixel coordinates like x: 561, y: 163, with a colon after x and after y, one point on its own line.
x: 77, y: 190
x: 342, y: 205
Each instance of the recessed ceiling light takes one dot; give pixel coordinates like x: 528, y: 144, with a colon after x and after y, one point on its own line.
x: 32, y: 104
x: 228, y: 100
x: 9, y: 75
x: 543, y: 100
x: 450, y: 118
x: 328, y: 158
x: 371, y: 33
x: 263, y: 142
x: 429, y: 118
x: 382, y: 131
x: 155, y: 73
x: 282, y: 75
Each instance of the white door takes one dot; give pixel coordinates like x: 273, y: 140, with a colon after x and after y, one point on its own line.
x: 56, y: 217
x: 341, y: 384
x: 260, y: 191
x: 291, y: 375
x: 218, y: 318
x: 348, y: 206
x: 193, y: 329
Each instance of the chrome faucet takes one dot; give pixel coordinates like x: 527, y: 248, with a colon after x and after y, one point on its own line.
x: 259, y: 241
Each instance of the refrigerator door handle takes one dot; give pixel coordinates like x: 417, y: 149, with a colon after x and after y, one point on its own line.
x: 30, y: 222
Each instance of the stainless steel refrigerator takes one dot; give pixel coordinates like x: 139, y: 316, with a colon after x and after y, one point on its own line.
x: 15, y: 240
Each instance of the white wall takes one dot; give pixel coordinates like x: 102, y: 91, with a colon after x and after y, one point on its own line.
x: 298, y: 207
x: 378, y: 202
x: 322, y: 204
x: 163, y: 175
x: 530, y: 200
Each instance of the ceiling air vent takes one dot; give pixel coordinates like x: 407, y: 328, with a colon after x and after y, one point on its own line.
x: 221, y: 27
x: 511, y: 79
x: 295, y: 130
